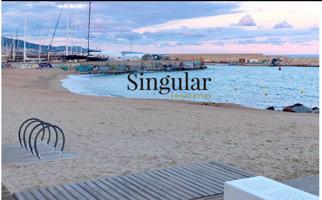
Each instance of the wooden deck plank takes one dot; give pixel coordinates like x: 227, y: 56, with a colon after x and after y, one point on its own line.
x: 128, y: 190
x: 179, y: 182
x: 163, y: 190
x: 204, y: 179
x: 19, y: 195
x: 134, y: 188
x: 123, y: 191
x: 180, y: 194
x: 197, y: 181
x: 184, y: 190
x: 37, y: 194
x: 223, y: 171
x: 92, y: 192
x: 64, y: 192
x: 182, y: 186
x: 216, y: 178
x: 28, y: 195
x: 117, y: 192
x: 74, y: 192
x: 145, y: 189
x: 108, y: 190
x: 47, y: 194
x: 193, y: 181
x: 160, y: 194
x: 83, y: 192
x: 229, y: 167
x: 217, y: 174
x: 58, y: 194
x: 204, y: 183
x: 99, y: 190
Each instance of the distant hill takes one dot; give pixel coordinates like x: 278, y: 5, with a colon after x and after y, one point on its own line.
x: 7, y: 42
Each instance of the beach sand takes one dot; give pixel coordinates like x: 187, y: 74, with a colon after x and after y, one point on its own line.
x: 114, y: 136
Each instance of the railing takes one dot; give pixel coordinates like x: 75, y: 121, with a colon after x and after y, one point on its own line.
x: 34, y: 131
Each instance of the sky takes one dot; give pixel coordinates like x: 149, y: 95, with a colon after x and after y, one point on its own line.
x: 171, y: 27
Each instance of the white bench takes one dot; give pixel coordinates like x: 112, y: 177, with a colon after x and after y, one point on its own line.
x: 262, y: 188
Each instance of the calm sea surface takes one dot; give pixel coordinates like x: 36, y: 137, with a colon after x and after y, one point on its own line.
x: 254, y: 86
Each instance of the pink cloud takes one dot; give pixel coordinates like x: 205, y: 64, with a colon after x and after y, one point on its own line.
x: 247, y: 20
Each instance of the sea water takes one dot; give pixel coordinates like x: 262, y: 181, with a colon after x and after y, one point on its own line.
x: 252, y: 86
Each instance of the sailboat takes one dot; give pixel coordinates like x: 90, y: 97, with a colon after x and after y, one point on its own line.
x: 74, y: 55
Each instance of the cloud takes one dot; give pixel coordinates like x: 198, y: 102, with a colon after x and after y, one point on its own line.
x: 73, y: 5
x: 166, y: 25
x: 269, y: 41
x: 247, y: 20
x: 283, y: 24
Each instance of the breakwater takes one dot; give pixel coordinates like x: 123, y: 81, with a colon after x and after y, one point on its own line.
x: 251, y: 59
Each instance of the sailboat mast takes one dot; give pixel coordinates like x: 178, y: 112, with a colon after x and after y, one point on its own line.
x: 52, y: 38
x: 89, y: 26
x: 39, y: 48
x: 67, y: 27
x: 24, y: 41
x: 11, y: 46
x: 15, y: 46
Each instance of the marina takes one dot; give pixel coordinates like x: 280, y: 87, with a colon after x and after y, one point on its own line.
x: 160, y: 100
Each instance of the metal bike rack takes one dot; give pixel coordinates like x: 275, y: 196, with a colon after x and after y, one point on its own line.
x: 33, y: 131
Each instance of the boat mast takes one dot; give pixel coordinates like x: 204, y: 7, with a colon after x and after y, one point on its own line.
x: 39, y: 53
x: 67, y: 27
x: 39, y: 49
x: 15, y: 47
x: 52, y: 37
x: 89, y: 26
x: 24, y: 41
x: 11, y: 46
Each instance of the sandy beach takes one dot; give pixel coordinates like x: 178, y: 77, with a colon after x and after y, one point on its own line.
x: 114, y: 136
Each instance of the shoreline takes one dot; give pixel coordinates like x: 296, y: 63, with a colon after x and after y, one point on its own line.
x: 225, y: 105
x: 114, y: 136
x: 261, y: 65
x: 178, y: 100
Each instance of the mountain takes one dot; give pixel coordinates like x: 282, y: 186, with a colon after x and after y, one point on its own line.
x: 7, y: 42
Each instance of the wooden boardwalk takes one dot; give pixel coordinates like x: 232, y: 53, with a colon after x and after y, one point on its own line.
x: 196, y: 181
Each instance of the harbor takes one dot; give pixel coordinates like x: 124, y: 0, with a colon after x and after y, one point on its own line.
x: 160, y: 100
x: 20, y: 53
x: 138, y: 62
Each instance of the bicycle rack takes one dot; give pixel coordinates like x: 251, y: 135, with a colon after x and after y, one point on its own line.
x: 33, y: 131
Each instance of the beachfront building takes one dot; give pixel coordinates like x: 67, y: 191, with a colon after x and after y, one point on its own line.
x: 144, y: 57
